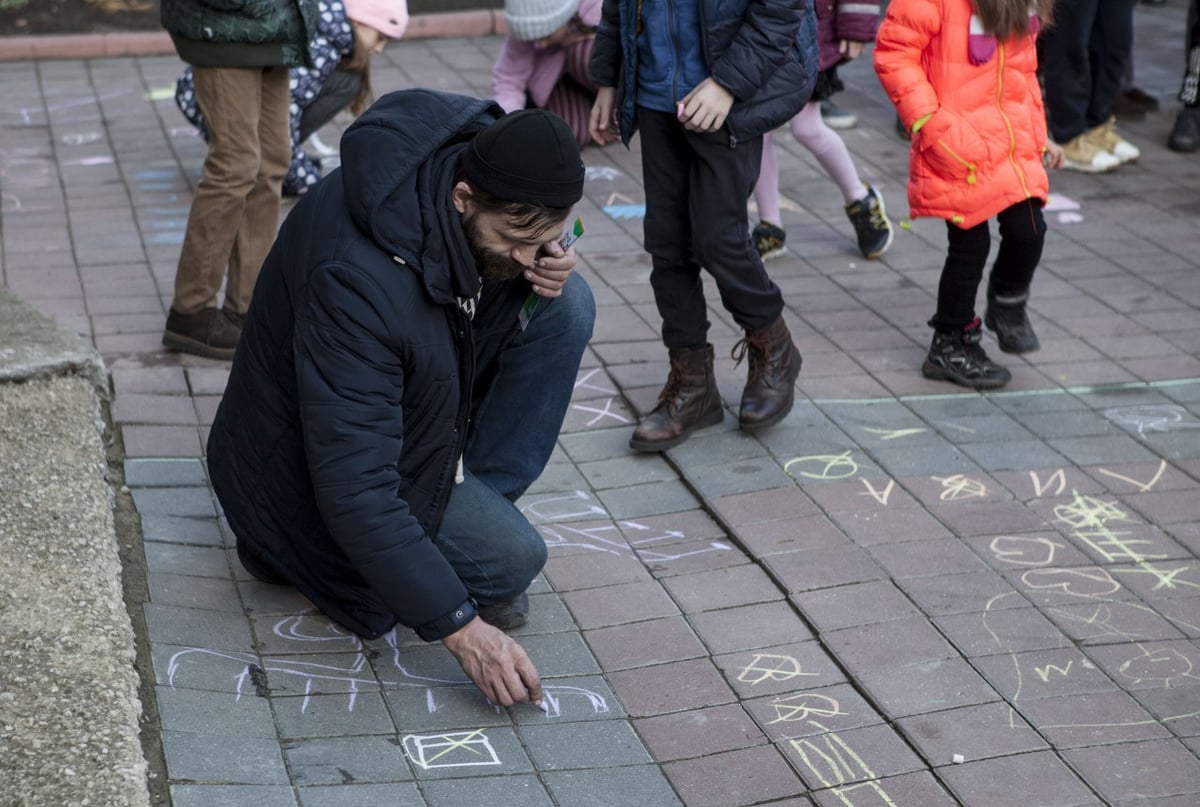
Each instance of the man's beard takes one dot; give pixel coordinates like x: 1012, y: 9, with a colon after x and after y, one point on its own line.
x: 492, y: 265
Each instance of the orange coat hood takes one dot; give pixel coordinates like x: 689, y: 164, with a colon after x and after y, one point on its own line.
x: 981, y: 150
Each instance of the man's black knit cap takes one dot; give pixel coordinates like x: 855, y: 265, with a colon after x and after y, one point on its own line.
x: 526, y: 156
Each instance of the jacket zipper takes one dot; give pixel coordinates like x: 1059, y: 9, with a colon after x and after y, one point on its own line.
x: 1012, y: 140
x: 968, y: 165
x: 464, y: 344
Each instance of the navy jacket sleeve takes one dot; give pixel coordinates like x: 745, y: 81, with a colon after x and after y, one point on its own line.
x: 350, y: 378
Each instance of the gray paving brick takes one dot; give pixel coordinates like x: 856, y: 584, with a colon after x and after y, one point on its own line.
x: 420, y: 709
x: 935, y: 458
x: 972, y: 732
x: 925, y: 686
x: 611, y: 787
x: 164, y: 473
x: 966, y: 592
x: 175, y: 530
x: 742, y: 476
x: 1094, y: 718
x: 588, y: 745
x: 231, y: 796
x: 229, y: 713
x: 201, y: 561
x: 852, y: 757
x: 647, y: 500
x: 353, y: 795
x: 1033, y: 778
x: 914, y: 788
x: 818, y: 711
x: 331, y: 715
x: 195, y: 628
x: 341, y: 760
x: 472, y: 752
x: 780, y: 669
x: 185, y: 591
x: 1001, y: 630
x: 501, y: 791
x: 222, y: 759
x: 572, y: 699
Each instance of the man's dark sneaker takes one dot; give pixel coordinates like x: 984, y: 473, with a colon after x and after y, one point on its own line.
x: 257, y: 567
x: 210, y: 332
x: 1133, y: 104
x: 957, y: 356
x: 688, y: 401
x: 837, y: 118
x: 506, y: 616
x: 871, y: 225
x: 769, y: 240
x: 1185, y: 136
x: 1007, y: 317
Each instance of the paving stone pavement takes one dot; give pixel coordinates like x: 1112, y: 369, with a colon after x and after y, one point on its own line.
x: 904, y: 594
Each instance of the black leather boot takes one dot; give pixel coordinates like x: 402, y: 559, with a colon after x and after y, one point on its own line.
x: 956, y: 355
x: 771, y: 381
x: 1006, y: 316
x: 689, y: 401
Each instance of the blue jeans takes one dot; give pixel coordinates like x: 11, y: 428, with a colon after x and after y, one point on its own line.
x: 514, y: 427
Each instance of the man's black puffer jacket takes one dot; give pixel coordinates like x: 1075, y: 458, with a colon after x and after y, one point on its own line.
x: 334, y: 448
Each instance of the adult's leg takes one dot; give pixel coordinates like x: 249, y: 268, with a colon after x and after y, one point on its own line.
x: 491, y: 545
x: 1066, y: 67
x: 1111, y: 49
x: 229, y: 98
x: 720, y: 180
x: 1189, y: 92
x: 260, y: 215
x: 529, y: 383
x: 675, y: 272
x: 811, y: 131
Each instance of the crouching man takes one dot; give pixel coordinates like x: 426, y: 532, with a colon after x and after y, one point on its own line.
x: 402, y: 376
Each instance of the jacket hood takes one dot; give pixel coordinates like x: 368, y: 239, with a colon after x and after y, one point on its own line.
x: 397, y: 170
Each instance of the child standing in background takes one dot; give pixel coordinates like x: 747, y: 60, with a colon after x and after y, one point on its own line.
x: 963, y: 77
x: 843, y: 28
x: 543, y: 62
x: 348, y: 33
x: 702, y: 80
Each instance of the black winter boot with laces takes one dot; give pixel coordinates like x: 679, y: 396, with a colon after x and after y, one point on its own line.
x: 688, y: 401
x: 1006, y: 316
x: 956, y: 355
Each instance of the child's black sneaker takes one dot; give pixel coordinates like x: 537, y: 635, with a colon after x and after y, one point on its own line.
x: 769, y: 240
x: 871, y: 225
x: 1006, y: 316
x: 956, y: 355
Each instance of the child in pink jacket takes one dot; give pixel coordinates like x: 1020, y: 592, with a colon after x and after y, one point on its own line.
x: 544, y: 60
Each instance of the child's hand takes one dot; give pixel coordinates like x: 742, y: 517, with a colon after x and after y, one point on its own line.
x: 1052, y: 156
x: 602, y: 125
x: 851, y: 50
x: 705, y: 108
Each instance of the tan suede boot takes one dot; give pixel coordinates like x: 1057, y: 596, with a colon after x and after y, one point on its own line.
x: 771, y: 381
x: 689, y: 401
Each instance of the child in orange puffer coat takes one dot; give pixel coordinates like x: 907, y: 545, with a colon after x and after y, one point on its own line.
x: 962, y: 74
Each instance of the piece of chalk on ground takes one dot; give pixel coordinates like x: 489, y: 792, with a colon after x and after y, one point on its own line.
x: 958, y: 759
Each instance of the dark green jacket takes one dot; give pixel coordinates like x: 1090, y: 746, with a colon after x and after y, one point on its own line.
x: 241, y: 33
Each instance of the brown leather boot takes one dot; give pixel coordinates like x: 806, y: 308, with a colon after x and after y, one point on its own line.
x: 771, y: 381
x: 689, y: 401
x: 211, y: 333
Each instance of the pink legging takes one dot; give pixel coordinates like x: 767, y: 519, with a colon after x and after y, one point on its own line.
x: 823, y: 143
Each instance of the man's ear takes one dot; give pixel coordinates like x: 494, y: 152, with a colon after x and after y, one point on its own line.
x: 462, y: 197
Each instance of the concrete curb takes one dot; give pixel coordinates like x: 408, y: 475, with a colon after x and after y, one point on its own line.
x: 69, y: 706
x: 481, y: 22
